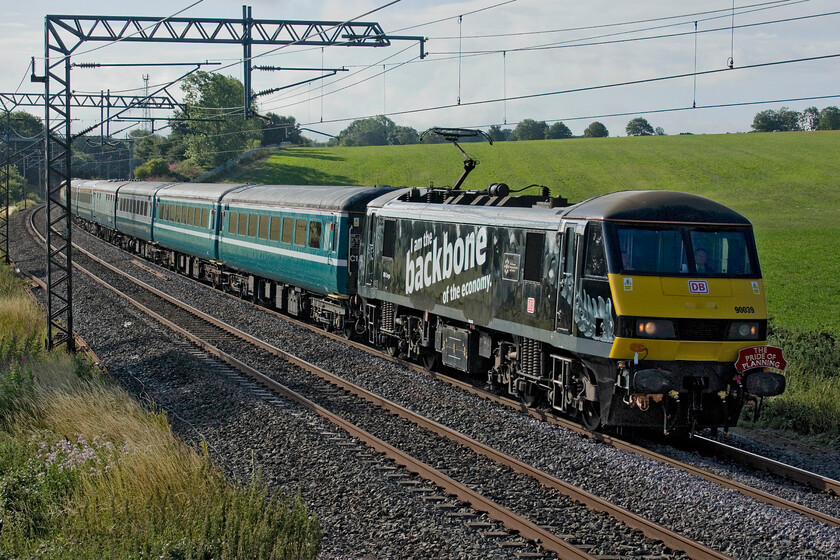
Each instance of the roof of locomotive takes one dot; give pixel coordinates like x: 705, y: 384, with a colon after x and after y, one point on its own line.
x: 321, y: 197
x: 634, y: 206
x: 655, y: 206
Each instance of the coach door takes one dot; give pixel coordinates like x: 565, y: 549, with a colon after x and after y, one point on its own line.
x: 566, y: 285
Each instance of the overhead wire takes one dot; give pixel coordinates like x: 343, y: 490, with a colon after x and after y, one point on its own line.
x: 457, y: 55
x: 598, y: 87
x: 693, y: 15
x: 453, y: 16
x: 574, y: 43
x: 347, y: 77
x: 237, y: 61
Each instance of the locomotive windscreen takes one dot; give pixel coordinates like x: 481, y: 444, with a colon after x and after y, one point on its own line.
x: 683, y: 250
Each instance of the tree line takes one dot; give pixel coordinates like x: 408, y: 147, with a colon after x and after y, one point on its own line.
x: 205, y: 133
x: 787, y: 120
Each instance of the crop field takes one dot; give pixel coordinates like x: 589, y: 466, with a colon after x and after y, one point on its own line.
x: 787, y: 184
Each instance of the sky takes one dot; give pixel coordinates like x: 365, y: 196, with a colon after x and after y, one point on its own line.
x: 499, y: 63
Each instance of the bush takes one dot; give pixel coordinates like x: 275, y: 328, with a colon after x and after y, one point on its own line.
x: 152, y: 168
x: 184, y: 171
x: 810, y: 404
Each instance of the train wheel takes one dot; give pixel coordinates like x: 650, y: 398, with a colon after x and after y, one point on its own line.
x: 529, y: 400
x: 590, y: 416
x: 430, y: 360
x: 392, y: 351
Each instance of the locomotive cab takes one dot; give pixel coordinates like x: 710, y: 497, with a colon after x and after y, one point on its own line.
x: 681, y: 277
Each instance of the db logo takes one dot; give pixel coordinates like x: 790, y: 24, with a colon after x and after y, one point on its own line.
x: 530, y: 305
x: 698, y: 287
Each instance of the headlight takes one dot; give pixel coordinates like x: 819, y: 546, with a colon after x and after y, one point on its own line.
x: 654, y: 328
x: 743, y: 330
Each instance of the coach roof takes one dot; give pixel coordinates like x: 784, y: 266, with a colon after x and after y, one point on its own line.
x: 655, y: 206
x: 199, y: 191
x: 321, y: 197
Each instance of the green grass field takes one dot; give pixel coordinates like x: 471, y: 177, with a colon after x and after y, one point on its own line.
x: 787, y: 184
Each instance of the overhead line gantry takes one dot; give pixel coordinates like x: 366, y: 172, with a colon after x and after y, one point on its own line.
x: 64, y: 34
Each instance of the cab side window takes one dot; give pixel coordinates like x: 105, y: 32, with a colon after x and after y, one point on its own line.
x: 595, y: 260
x: 534, y: 243
x: 389, y: 239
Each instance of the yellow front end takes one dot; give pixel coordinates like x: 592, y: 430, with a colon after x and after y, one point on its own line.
x: 669, y: 297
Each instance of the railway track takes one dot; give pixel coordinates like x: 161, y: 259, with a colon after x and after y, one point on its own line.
x: 212, y: 335
x: 535, y: 413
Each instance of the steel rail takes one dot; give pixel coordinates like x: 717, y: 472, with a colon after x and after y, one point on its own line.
x: 796, y: 474
x: 476, y: 501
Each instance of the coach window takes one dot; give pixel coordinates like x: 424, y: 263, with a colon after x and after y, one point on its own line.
x: 288, y: 230
x: 534, y: 243
x: 252, y: 225
x: 274, y: 233
x: 595, y: 262
x: 232, y: 223
x: 389, y: 239
x: 190, y: 216
x: 300, y: 232
x: 263, y: 229
x: 243, y: 224
x: 178, y: 213
x: 315, y: 235
x: 204, y: 218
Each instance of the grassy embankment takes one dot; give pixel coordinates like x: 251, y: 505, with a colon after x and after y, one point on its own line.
x: 788, y: 185
x: 86, y: 472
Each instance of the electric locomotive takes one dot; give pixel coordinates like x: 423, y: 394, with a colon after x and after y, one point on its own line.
x: 628, y: 309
